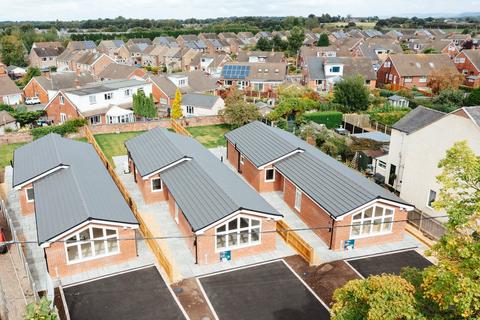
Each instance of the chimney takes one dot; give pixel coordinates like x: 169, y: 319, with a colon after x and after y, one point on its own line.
x: 77, y: 83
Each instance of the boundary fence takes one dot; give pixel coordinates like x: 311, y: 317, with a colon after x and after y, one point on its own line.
x: 293, y: 239
x: 431, y: 228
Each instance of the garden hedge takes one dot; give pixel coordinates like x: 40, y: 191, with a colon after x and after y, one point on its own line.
x: 331, y: 119
x: 70, y: 126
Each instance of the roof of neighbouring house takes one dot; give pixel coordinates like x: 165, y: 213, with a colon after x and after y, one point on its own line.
x: 48, y: 51
x: 204, y: 189
x: 76, y: 189
x: 474, y: 57
x: 199, y: 100
x: 105, y: 86
x: 6, y: 118
x: 64, y: 80
x: 269, y: 56
x: 255, y: 71
x: 334, y: 186
x: 197, y: 82
x: 410, y: 65
x: 396, y: 98
x: 81, y: 45
x: 473, y: 113
x: 8, y: 86
x: 374, y: 135
x: 417, y: 119
x: 118, y: 71
x: 352, y: 66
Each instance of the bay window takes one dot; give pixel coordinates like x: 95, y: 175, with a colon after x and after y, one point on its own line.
x: 237, y: 233
x: 91, y: 243
x: 372, y: 221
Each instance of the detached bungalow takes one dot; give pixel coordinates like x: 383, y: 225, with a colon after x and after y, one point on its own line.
x: 197, y: 104
x: 354, y: 211
x: 221, y: 216
x: 80, y: 214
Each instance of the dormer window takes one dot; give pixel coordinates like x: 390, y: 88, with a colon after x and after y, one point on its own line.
x: 335, y: 69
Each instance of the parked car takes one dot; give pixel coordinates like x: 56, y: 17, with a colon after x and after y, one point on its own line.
x: 32, y: 100
x: 3, y: 245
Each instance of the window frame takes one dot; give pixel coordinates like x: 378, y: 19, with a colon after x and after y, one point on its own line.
x: 92, y: 99
x: 161, y: 184
x: 190, y: 109
x: 108, y: 96
x: 422, y: 79
x: 26, y: 195
x: 63, y: 117
x: 62, y: 100
x: 78, y: 243
x: 382, y: 164
x: 370, y: 221
x: 273, y: 176
x: 298, y: 199
x: 238, y: 230
x: 430, y: 202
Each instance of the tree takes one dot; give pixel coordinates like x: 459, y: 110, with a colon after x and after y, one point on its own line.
x: 25, y: 117
x: 443, y: 79
x: 263, y: 44
x: 144, y: 106
x: 352, y: 94
x: 295, y: 40
x: 40, y: 311
x: 473, y: 98
x: 12, y: 51
x: 385, y: 297
x: 31, y: 72
x: 448, y: 100
x: 237, y: 111
x: 323, y: 41
x: 177, y: 105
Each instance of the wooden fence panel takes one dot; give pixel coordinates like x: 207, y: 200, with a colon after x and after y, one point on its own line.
x: 294, y: 240
x: 432, y: 228
x: 146, y: 233
x: 179, y: 128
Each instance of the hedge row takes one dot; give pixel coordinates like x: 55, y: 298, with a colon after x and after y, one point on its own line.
x: 70, y: 126
x: 331, y: 119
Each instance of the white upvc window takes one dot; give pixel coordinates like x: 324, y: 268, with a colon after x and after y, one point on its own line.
x: 95, y: 119
x: 237, y: 233
x: 298, y: 199
x: 91, y: 243
x: 422, y: 79
x: 382, y: 164
x: 374, y: 220
x: 156, y: 184
x: 108, y: 95
x: 242, y: 159
x: 408, y: 79
x: 387, y: 64
x: 269, y: 175
x: 29, y: 194
x: 432, y: 196
x: 190, y: 110
x: 92, y: 99
x: 62, y: 100
x: 128, y: 92
x: 63, y: 117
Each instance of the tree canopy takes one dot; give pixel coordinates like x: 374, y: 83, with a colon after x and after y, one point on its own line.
x: 237, y: 111
x: 144, y: 106
x: 12, y: 51
x: 323, y: 41
x: 177, y: 105
x: 352, y: 94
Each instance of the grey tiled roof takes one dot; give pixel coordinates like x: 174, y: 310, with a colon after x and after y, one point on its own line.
x: 205, y: 189
x: 199, y: 100
x: 70, y: 196
x: 334, y: 186
x: 417, y: 119
x: 474, y: 113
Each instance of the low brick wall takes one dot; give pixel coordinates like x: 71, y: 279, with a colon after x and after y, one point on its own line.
x: 15, y: 138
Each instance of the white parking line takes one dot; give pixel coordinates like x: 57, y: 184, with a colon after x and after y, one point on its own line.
x: 354, y: 270
x: 383, y: 254
x: 207, y: 299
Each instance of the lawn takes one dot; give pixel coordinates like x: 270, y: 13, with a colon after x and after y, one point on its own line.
x: 6, y: 153
x: 112, y: 144
x: 210, y: 136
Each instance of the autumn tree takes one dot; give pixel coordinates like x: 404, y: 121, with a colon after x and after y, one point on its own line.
x: 12, y: 51
x: 443, y: 79
x: 177, y: 105
x: 237, y: 111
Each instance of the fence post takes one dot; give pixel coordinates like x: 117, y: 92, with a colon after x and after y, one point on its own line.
x: 421, y: 221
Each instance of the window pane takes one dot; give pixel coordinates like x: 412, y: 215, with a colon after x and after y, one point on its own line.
x: 221, y: 241
x: 255, y: 234
x: 387, y: 226
x: 221, y: 229
x: 368, y: 213
x: 86, y: 250
x: 255, y: 222
x: 30, y: 195
x: 366, y: 228
x: 99, y: 247
x: 232, y: 239
x: 378, y: 211
x: 72, y: 253
x: 156, y: 184
x: 388, y: 212
x: 377, y: 225
x: 356, y: 229
x: 85, y: 234
x: 357, y: 216
x: 112, y: 245
x: 269, y: 174
x: 244, y: 237
x: 97, y: 232
x: 232, y: 225
x: 111, y: 232
x: 243, y: 222
x: 72, y: 239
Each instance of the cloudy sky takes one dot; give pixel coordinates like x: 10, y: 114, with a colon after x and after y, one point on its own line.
x: 84, y: 9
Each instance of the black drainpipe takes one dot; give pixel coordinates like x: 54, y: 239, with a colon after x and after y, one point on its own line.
x: 332, y: 228
x: 238, y: 159
x: 195, y: 243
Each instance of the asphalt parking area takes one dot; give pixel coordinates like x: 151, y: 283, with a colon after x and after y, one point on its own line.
x: 264, y: 292
x: 391, y: 263
x: 140, y: 294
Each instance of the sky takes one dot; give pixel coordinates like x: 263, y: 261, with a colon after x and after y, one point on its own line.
x: 17, y: 10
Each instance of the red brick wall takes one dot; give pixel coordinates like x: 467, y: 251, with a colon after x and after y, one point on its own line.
x: 145, y: 187
x: 470, y: 69
x: 34, y: 89
x: 159, y: 94
x: 26, y: 207
x: 57, y: 260
x: 55, y: 109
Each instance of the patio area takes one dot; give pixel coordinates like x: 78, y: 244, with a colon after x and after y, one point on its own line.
x: 161, y: 224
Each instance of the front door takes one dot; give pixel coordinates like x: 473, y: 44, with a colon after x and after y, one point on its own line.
x: 392, y: 176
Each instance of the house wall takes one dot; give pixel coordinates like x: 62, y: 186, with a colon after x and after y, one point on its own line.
x: 55, y: 108
x: 396, y: 157
x: 34, y: 89
x: 11, y: 99
x: 57, y: 260
x: 219, y: 105
x: 467, y: 68
x: 26, y: 207
x: 425, y: 148
x: 145, y: 187
x: 101, y: 64
x: 160, y: 95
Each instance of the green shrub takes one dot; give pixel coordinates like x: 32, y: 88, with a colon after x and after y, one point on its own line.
x: 331, y: 119
x: 386, y: 93
x: 70, y: 126
x: 388, y: 114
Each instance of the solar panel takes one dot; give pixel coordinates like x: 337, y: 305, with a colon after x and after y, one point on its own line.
x: 235, y: 72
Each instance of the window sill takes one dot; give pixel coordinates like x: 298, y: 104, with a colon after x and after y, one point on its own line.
x: 238, y: 247
x: 371, y: 235
x: 92, y: 258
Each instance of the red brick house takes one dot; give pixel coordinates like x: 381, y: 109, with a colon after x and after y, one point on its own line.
x: 65, y: 185
x: 413, y: 70
x: 345, y: 208
x: 220, y: 216
x: 468, y: 63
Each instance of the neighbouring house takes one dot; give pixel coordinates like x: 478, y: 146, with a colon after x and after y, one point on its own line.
x: 46, y: 87
x: 398, y: 101
x: 82, y: 45
x: 214, y: 43
x: 106, y: 102
x: 145, y: 41
x: 9, y: 92
x: 191, y: 41
x: 92, y: 62
x: 261, y: 56
x: 80, y: 214
x: 115, y: 71
x: 43, y: 55
x: 321, y: 73
x: 413, y: 70
x: 468, y: 63
x: 418, y: 142
x: 377, y: 49
x: 170, y: 42
x: 198, y: 104
x: 111, y: 48
x: 7, y: 122
x: 15, y: 72
x: 221, y: 217
x: 213, y: 67
x: 320, y: 189
x: 253, y: 78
